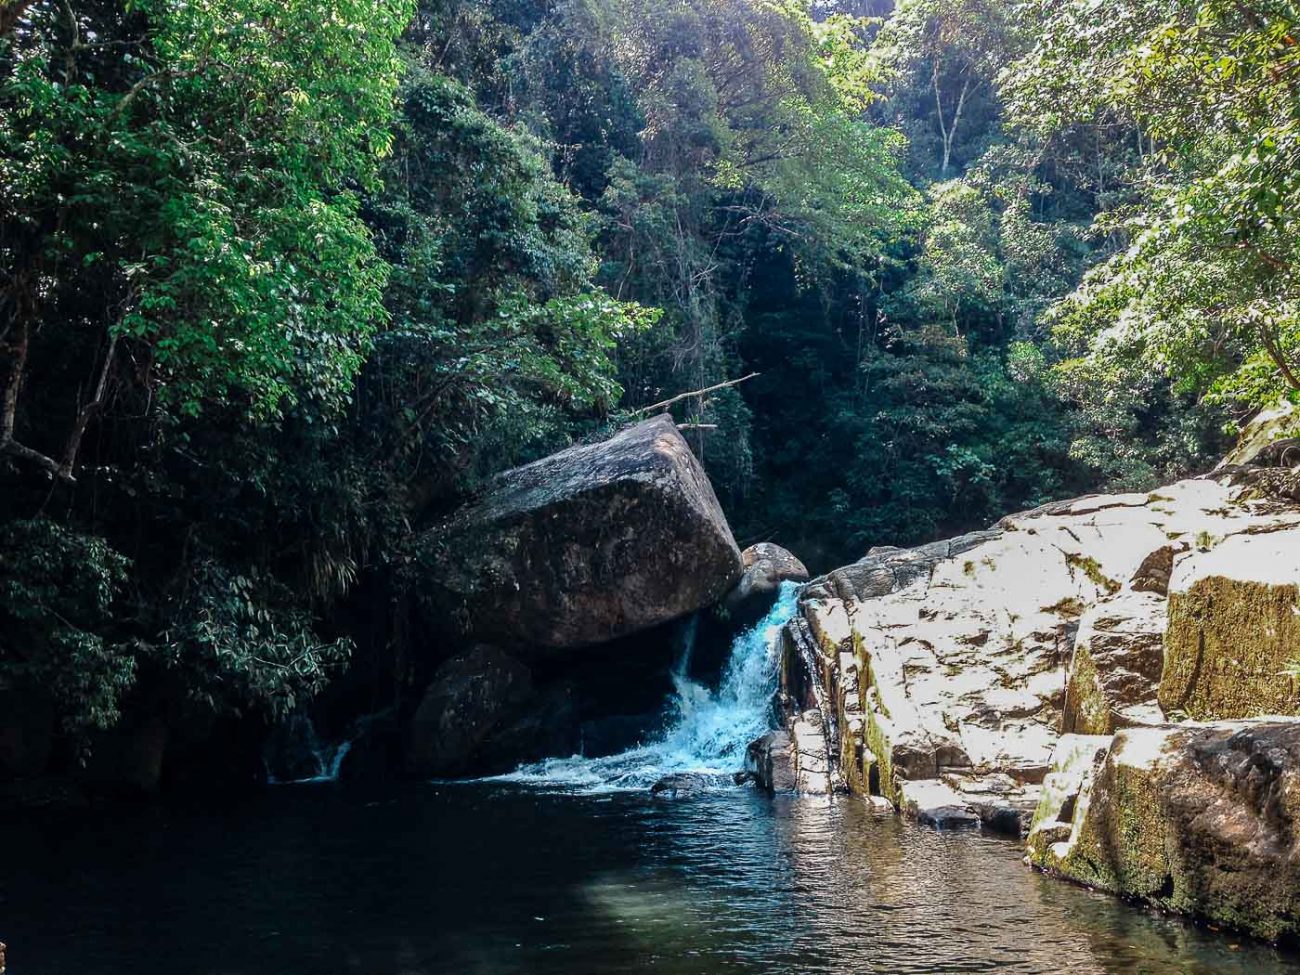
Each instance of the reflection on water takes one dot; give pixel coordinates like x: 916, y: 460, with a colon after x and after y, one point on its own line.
x: 497, y: 879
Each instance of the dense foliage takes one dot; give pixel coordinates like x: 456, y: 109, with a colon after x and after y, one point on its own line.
x: 283, y: 281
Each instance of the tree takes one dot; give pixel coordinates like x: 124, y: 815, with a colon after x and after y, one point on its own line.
x: 177, y: 192
x: 950, y: 54
x: 1204, y: 292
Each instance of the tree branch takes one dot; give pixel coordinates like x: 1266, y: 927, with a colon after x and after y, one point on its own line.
x: 1279, y: 360
x: 17, y: 369
x: 699, y: 392
x: 88, y: 412
x: 48, y: 464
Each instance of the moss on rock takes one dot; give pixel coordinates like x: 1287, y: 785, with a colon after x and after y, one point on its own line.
x: 1234, y: 630
x: 1199, y: 819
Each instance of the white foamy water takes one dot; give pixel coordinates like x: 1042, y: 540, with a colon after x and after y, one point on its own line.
x: 707, y: 730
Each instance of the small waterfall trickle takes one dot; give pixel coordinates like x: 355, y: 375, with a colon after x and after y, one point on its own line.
x: 706, y: 731
x: 296, y: 755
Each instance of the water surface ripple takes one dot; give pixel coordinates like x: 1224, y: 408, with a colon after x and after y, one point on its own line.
x: 501, y: 879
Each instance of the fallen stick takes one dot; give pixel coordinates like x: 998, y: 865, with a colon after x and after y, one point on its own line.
x: 699, y: 392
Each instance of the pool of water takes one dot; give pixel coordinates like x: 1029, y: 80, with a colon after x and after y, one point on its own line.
x: 502, y: 878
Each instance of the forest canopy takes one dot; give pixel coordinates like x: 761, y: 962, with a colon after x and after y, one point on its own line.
x: 284, y: 281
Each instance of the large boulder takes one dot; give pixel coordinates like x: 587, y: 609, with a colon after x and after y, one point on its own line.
x: 1198, y: 819
x: 1268, y: 438
x: 482, y: 714
x: 587, y: 545
x: 766, y: 566
x: 1233, y: 639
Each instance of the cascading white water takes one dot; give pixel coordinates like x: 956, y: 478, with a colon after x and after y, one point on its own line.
x: 707, y: 730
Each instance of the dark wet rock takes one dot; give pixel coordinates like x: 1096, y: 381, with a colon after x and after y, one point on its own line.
x: 587, y: 545
x: 470, y: 696
x: 292, y: 750
x: 681, y: 785
x: 483, y: 714
x: 766, y: 566
x: 374, y: 755
x: 1004, y: 819
x: 547, y: 726
x: 771, y: 759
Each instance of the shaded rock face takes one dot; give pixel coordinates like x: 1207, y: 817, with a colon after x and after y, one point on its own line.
x: 587, y: 545
x: 376, y: 748
x: 482, y: 714
x: 771, y: 760
x: 766, y: 566
x: 792, y: 761
x: 1268, y: 438
x: 1115, y: 671
x: 293, y: 751
x: 1199, y: 819
x: 1234, y: 630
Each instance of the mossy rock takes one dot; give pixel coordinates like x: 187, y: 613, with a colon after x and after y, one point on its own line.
x: 1116, y: 666
x: 1202, y: 820
x: 1233, y: 638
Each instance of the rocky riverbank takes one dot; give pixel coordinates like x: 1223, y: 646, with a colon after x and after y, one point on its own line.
x: 1113, y: 677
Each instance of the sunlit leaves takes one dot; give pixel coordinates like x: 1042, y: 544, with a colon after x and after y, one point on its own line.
x: 1206, y: 291
x: 193, y: 169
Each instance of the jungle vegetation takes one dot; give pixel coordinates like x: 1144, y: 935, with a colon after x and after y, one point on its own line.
x: 283, y: 280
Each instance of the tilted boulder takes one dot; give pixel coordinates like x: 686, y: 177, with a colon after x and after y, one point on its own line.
x: 1199, y: 819
x: 1233, y: 640
x: 1268, y: 439
x: 593, y: 543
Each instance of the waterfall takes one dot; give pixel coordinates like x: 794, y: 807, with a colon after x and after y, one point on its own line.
x: 311, y: 759
x: 706, y: 730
